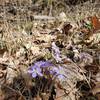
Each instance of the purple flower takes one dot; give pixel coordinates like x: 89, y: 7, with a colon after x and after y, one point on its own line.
x: 56, y: 52
x: 35, y: 71
x: 43, y: 64
x: 55, y: 48
x: 57, y: 71
x: 57, y: 58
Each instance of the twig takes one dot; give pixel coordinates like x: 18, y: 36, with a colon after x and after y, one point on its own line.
x: 43, y: 17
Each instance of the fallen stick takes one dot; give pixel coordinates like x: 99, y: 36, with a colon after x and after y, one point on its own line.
x: 43, y: 17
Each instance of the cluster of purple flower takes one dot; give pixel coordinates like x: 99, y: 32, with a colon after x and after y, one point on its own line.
x: 36, y: 69
x: 56, y: 52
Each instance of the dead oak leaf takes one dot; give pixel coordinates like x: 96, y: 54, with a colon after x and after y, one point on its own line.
x: 95, y: 22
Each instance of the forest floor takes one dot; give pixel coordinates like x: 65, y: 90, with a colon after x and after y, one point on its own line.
x: 49, y: 50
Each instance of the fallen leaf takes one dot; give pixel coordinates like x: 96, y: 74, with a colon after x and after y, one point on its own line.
x: 92, y: 68
x: 95, y: 22
x: 66, y: 28
x: 96, y: 89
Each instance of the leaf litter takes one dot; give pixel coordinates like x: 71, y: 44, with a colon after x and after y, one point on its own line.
x: 51, y: 60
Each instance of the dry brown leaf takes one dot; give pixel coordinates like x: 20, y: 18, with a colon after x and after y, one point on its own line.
x: 92, y: 68
x: 37, y: 98
x: 96, y: 89
x: 66, y: 28
x: 21, y: 98
x: 95, y: 22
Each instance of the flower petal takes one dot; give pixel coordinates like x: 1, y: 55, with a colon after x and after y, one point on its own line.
x: 54, y: 70
x: 39, y: 73
x: 42, y: 64
x: 61, y: 77
x: 38, y: 64
x: 34, y: 75
x: 46, y: 64
x: 34, y: 66
x: 58, y: 58
x: 38, y: 69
